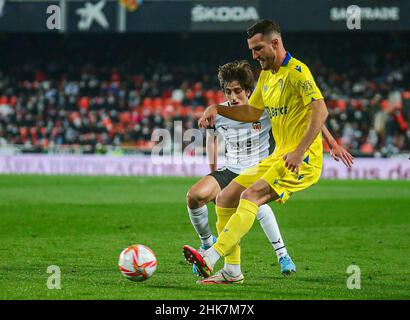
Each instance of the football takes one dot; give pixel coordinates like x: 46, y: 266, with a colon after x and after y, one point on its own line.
x: 137, y: 263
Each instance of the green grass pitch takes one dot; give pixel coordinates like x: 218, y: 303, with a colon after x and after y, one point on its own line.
x: 81, y: 224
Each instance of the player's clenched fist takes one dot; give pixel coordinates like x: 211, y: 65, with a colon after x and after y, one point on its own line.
x: 208, y: 118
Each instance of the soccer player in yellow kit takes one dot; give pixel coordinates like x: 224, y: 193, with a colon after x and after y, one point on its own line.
x: 287, y: 91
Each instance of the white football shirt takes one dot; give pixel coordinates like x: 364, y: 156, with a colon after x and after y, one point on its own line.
x: 246, y: 143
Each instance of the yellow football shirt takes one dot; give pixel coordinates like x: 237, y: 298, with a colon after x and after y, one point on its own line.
x: 286, y: 96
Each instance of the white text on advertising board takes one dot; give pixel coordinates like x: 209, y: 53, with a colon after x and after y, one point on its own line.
x: 367, y: 13
x: 201, y: 13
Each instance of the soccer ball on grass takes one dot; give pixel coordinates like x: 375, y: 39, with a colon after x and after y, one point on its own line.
x: 137, y: 262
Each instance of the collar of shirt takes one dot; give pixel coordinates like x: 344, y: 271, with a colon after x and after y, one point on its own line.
x: 285, y: 61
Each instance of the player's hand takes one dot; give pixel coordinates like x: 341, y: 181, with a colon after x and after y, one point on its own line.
x: 208, y: 118
x: 339, y: 153
x: 293, y: 160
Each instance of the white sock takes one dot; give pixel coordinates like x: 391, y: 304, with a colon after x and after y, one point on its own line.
x: 269, y: 225
x: 199, y: 219
x: 233, y: 270
x: 213, y: 256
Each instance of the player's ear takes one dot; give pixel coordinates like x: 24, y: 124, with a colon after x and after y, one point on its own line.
x: 275, y: 42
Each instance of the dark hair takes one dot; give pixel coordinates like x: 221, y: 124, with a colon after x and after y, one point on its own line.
x: 264, y: 27
x: 240, y: 71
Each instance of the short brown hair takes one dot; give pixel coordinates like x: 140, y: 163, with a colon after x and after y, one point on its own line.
x: 240, y: 71
x: 264, y: 27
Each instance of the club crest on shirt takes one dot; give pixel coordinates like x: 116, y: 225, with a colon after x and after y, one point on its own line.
x: 257, y: 126
x: 307, y: 87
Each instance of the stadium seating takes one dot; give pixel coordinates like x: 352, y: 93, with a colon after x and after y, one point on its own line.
x: 45, y: 102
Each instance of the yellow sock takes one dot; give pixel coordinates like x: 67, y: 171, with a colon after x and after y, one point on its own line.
x: 238, y: 225
x: 223, y: 215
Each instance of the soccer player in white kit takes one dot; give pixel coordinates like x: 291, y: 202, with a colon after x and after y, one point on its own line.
x: 246, y: 145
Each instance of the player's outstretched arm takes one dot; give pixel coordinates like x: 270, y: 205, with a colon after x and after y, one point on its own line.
x: 242, y: 113
x: 212, y: 150
x: 317, y: 120
x: 337, y: 151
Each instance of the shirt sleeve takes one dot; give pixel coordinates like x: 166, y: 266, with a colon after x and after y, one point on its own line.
x: 305, y: 85
x: 256, y: 99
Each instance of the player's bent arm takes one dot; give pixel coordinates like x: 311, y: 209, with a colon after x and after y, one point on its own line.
x: 242, y: 113
x: 317, y: 120
x: 328, y: 137
x: 212, y: 151
x: 337, y: 151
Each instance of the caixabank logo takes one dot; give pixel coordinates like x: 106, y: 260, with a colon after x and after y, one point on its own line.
x: 92, y: 13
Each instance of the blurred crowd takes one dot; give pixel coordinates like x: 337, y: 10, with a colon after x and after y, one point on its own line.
x: 93, y: 93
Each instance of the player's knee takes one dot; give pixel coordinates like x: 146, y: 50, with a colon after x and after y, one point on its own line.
x: 250, y: 194
x: 257, y: 194
x: 224, y: 199
x: 196, y: 198
x: 227, y: 199
x: 220, y: 199
x: 247, y: 194
x: 191, y: 199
